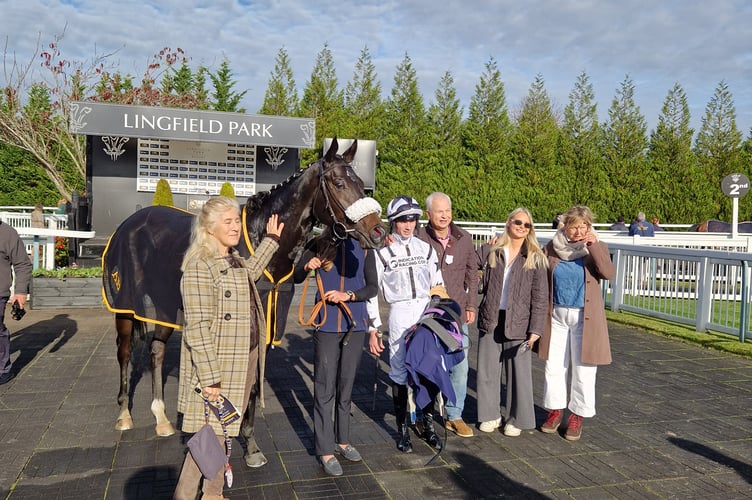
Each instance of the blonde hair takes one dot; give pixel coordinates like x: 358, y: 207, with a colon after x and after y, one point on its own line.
x: 579, y: 213
x: 535, y: 256
x: 203, y: 245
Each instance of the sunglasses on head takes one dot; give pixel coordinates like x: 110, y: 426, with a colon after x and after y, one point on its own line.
x: 518, y: 222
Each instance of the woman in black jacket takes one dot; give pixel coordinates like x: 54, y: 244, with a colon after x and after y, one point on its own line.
x: 511, y: 317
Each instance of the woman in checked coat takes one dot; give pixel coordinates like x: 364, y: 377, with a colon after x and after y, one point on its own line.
x: 224, y: 335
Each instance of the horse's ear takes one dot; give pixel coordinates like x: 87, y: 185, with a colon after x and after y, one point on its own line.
x: 331, y: 154
x: 350, y: 153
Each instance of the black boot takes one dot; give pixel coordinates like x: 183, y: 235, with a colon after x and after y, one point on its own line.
x: 399, y: 397
x: 428, y: 433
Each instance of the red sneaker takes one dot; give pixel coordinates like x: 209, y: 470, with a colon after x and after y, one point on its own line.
x: 574, y: 428
x: 553, y: 421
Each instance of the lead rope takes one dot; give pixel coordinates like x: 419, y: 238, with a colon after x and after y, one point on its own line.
x: 321, y: 306
x: 228, y: 441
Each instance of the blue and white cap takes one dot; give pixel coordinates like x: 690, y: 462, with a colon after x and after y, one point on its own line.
x: 403, y: 206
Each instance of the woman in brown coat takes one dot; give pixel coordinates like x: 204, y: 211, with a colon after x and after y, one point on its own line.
x: 576, y: 333
x: 224, y: 335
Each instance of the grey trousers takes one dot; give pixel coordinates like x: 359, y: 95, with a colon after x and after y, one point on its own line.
x: 496, y: 353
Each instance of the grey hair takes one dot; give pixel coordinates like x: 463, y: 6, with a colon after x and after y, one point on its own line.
x: 433, y: 196
x: 202, y: 243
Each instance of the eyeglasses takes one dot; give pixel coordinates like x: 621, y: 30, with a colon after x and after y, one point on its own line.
x: 518, y: 222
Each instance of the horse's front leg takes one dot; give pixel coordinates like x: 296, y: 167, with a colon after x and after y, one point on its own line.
x: 158, y: 345
x: 253, y: 455
x: 124, y: 328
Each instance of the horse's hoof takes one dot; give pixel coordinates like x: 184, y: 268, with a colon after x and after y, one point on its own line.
x: 255, y: 460
x: 124, y: 424
x: 164, y: 430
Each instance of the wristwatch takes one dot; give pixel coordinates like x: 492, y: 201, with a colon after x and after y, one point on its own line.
x: 350, y: 295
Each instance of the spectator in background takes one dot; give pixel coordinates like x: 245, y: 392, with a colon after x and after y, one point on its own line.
x: 641, y: 227
x: 655, y: 222
x: 556, y: 224
x: 62, y: 206
x: 619, y: 225
x: 37, y: 216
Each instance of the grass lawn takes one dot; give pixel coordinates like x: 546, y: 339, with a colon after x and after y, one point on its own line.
x: 710, y: 340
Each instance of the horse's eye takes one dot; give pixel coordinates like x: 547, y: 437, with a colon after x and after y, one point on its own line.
x: 339, y: 183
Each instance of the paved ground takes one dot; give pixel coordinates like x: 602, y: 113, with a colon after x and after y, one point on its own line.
x: 674, y: 421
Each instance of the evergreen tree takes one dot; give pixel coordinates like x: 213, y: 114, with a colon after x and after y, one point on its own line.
x: 625, y: 152
x: 402, y: 155
x: 533, y: 151
x: 673, y: 163
x: 227, y: 190
x: 579, y: 155
x: 718, y: 146
x: 281, y: 96
x: 445, y: 155
x: 223, y: 98
x: 323, y: 101
x: 486, y: 139
x: 163, y: 194
x: 364, y: 108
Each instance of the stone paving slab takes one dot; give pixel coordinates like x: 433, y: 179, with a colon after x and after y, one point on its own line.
x: 673, y: 422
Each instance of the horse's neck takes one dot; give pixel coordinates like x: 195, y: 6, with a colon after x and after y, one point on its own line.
x: 293, y: 202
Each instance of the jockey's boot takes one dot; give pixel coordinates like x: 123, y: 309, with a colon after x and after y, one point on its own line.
x: 428, y: 432
x: 399, y: 397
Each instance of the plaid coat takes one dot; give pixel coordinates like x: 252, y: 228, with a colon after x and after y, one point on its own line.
x: 217, y: 338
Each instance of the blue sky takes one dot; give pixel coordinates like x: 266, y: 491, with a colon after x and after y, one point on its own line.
x: 655, y: 42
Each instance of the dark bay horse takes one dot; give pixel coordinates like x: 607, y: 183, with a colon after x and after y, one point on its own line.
x: 141, y: 265
x: 716, y: 226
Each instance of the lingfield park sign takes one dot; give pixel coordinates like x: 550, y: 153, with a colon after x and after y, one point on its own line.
x: 99, y: 119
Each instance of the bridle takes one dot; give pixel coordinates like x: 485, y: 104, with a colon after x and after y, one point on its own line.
x: 340, y: 230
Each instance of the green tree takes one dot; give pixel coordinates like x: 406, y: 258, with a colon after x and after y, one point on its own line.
x: 323, y: 101
x: 364, y: 108
x: 163, y: 194
x: 227, y: 190
x: 674, y: 165
x: 281, y: 96
x: 402, y: 168
x: 533, y: 151
x: 579, y: 154
x: 718, y: 146
x: 445, y: 155
x: 223, y: 97
x: 486, y: 137
x: 625, y: 151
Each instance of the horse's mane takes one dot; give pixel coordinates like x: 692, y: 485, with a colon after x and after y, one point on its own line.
x: 256, y: 201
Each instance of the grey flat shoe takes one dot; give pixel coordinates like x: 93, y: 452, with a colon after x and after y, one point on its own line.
x: 331, y: 466
x: 349, y: 452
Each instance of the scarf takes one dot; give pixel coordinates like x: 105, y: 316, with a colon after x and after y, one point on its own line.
x: 569, y: 250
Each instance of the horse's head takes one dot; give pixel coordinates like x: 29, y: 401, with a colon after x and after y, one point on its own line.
x: 341, y: 202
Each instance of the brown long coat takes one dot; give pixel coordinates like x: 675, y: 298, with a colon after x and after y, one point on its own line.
x: 596, y: 349
x: 217, y: 334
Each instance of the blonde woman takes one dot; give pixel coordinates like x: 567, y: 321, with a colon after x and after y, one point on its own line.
x: 223, y: 339
x: 511, y: 318
x: 578, y: 261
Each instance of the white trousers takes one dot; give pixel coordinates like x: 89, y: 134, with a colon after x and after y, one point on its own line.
x: 566, y: 350
x: 402, y: 315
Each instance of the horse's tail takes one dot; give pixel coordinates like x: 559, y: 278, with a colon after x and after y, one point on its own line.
x: 139, y: 332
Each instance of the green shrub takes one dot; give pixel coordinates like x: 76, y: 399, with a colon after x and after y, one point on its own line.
x: 227, y: 190
x: 163, y: 194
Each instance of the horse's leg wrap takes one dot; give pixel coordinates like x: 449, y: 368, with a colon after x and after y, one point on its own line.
x: 164, y: 427
x: 253, y: 456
